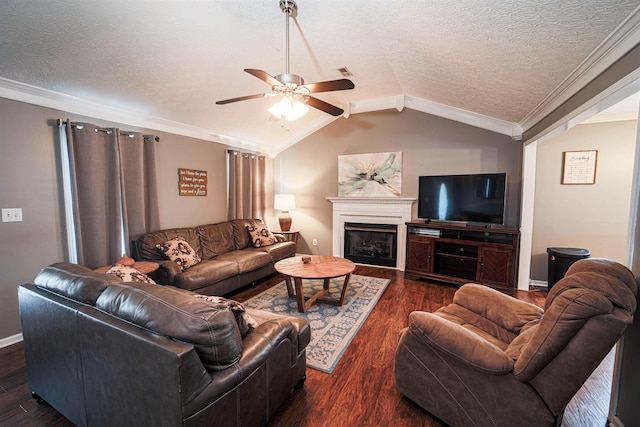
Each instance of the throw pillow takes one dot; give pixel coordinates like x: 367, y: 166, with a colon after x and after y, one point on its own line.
x: 129, y: 274
x: 245, y: 322
x: 261, y: 236
x: 180, y: 251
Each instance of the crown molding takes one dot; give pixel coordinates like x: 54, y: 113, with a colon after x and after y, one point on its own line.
x: 399, y: 102
x: 35, y: 95
x: 30, y: 94
x: 463, y: 116
x: 387, y: 103
x: 624, y: 38
x: 615, y: 93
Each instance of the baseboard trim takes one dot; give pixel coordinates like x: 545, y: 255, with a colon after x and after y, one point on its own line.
x: 537, y: 284
x: 614, y: 421
x: 4, y: 342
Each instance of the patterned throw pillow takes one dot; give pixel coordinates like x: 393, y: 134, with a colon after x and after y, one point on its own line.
x: 180, y: 251
x: 261, y: 236
x: 129, y: 274
x: 245, y: 322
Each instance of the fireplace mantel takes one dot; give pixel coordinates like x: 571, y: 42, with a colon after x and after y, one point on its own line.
x: 372, y: 200
x: 371, y: 210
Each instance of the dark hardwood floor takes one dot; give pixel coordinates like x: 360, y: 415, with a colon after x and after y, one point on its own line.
x: 360, y: 392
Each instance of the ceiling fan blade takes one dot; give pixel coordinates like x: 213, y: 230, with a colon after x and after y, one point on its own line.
x: 342, y: 84
x: 263, y: 76
x: 324, y: 106
x: 242, y: 98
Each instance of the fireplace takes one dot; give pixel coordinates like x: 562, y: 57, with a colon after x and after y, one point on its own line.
x: 368, y: 211
x: 371, y: 243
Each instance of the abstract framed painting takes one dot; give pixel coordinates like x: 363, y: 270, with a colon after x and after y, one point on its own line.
x: 370, y: 175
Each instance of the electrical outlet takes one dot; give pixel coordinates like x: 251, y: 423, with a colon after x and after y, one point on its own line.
x: 315, y: 242
x: 12, y: 215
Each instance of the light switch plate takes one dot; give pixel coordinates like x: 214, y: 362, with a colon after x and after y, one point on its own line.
x: 11, y: 214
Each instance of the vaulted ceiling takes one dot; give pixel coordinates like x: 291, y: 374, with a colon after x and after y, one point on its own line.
x: 497, y: 64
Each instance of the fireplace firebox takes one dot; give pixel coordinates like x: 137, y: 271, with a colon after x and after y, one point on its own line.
x: 374, y: 244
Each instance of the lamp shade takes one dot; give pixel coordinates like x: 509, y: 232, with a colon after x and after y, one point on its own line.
x: 284, y: 202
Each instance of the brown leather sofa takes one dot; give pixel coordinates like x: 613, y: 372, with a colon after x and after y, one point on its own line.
x: 106, y: 353
x: 489, y: 359
x: 229, y: 260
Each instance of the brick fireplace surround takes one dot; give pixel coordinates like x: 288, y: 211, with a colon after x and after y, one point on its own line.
x: 371, y: 210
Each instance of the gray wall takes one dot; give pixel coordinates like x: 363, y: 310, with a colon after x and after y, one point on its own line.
x: 429, y: 145
x: 29, y: 168
x: 595, y: 217
x: 29, y: 180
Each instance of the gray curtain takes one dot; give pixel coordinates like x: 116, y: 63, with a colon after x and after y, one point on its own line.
x: 247, y: 185
x: 138, y: 184
x: 114, y: 190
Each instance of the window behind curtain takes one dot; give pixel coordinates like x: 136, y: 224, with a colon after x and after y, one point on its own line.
x: 109, y: 181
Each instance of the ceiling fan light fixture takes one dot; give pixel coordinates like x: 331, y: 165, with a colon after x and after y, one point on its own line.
x: 289, y: 110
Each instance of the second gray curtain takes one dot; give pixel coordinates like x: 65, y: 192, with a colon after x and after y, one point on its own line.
x: 247, y: 185
x: 138, y: 184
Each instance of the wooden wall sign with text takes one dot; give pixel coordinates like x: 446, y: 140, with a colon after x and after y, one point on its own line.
x: 192, y: 182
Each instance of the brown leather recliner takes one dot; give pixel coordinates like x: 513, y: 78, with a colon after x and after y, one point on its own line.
x: 489, y: 359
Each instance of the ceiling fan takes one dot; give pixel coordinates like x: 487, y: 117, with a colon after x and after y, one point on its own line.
x: 292, y: 86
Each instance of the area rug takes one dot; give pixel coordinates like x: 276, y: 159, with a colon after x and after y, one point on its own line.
x: 332, y: 328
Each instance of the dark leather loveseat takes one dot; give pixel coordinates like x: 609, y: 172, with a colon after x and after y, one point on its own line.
x: 107, y: 353
x: 229, y: 260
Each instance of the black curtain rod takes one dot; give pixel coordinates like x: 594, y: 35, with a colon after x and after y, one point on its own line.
x: 60, y: 122
x: 244, y: 153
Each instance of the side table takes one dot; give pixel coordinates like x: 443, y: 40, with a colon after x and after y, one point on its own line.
x: 291, y: 235
x: 145, y: 267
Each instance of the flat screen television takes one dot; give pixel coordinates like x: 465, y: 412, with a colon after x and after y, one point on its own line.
x: 478, y: 198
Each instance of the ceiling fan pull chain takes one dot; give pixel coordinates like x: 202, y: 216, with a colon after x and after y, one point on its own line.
x: 284, y: 123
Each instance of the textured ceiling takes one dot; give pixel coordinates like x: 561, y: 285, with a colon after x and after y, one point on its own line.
x: 169, y: 61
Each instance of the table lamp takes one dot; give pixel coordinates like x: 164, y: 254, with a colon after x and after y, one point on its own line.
x: 284, y: 203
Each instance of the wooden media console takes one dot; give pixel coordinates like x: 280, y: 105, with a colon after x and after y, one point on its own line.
x: 459, y: 253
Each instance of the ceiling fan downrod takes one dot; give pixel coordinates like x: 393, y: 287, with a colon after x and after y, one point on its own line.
x: 290, y: 9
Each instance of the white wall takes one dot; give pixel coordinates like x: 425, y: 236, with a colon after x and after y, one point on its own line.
x: 595, y: 217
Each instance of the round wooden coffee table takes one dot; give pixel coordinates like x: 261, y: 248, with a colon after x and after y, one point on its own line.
x: 319, y: 267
